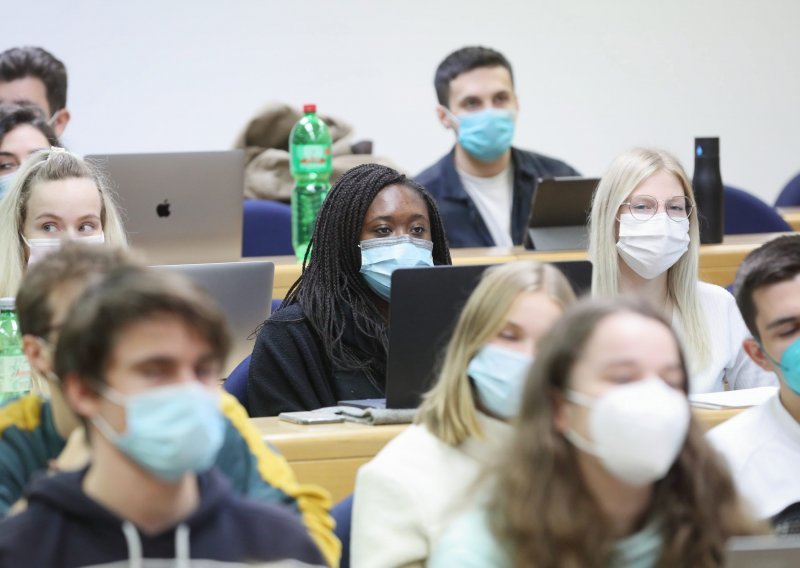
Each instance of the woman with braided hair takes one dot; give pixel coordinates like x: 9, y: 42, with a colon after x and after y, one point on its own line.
x: 328, y: 340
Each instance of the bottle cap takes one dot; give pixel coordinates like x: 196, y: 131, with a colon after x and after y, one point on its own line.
x: 706, y: 147
x: 7, y: 303
x: 309, y: 108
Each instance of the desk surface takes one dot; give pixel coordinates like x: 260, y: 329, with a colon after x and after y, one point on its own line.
x: 792, y: 216
x: 330, y: 454
x: 718, y: 263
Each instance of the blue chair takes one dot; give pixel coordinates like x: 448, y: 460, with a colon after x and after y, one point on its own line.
x: 267, y: 228
x: 745, y: 213
x: 342, y: 513
x: 790, y: 195
x: 236, y: 383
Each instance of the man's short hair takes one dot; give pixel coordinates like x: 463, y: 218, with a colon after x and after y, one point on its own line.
x: 773, y: 262
x: 73, y: 264
x: 126, y: 296
x: 29, y: 61
x: 463, y: 60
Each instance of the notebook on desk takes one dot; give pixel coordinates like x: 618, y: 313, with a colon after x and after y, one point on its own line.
x: 243, y: 290
x: 559, y: 214
x: 180, y: 207
x: 425, y: 306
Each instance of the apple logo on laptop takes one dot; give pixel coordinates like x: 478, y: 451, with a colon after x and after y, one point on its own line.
x: 162, y: 209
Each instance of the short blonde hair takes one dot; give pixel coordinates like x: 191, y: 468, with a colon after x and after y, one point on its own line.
x: 448, y: 409
x: 46, y: 165
x: 625, y: 174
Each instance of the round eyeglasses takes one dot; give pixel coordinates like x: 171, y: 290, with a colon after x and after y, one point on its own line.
x: 644, y: 207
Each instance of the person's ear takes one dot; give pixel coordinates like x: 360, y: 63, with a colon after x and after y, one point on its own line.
x: 37, y: 354
x: 445, y: 118
x: 59, y: 122
x: 756, y: 353
x: 80, y: 397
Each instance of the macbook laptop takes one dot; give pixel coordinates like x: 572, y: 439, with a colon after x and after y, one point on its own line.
x: 425, y: 306
x: 180, y: 207
x: 243, y: 290
x: 763, y: 551
x: 559, y: 214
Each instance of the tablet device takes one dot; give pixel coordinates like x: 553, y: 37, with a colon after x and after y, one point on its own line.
x: 559, y: 214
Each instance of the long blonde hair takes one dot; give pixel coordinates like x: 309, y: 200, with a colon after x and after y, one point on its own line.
x: 46, y: 165
x: 541, y: 508
x: 448, y: 409
x: 624, y: 175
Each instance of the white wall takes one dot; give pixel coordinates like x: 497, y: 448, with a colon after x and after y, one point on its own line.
x: 593, y: 77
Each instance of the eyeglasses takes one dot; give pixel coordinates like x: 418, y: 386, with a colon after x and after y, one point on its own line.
x: 644, y: 207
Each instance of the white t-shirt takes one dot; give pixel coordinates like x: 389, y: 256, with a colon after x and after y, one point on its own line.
x: 762, y: 448
x: 493, y: 196
x: 727, y: 358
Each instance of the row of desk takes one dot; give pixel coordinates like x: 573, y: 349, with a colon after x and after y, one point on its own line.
x: 329, y: 455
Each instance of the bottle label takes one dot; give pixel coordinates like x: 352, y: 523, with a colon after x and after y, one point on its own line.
x: 307, y: 158
x: 15, y: 374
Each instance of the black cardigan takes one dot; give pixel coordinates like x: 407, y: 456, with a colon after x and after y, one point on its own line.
x: 290, y: 371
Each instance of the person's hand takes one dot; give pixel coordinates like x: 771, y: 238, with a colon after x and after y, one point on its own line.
x: 75, y: 454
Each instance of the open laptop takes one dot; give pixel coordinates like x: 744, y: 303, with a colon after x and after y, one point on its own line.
x: 767, y: 551
x: 559, y: 214
x: 243, y: 290
x: 425, y: 306
x: 180, y: 207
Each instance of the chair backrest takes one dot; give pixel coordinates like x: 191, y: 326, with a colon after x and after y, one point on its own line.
x: 236, y: 383
x: 267, y: 228
x: 746, y: 213
x: 790, y: 195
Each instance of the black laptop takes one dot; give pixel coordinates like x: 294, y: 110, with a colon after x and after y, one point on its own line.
x: 425, y: 306
x: 559, y: 214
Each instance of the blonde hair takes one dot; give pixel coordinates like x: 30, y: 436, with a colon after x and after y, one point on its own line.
x: 46, y: 165
x: 448, y: 409
x: 624, y: 175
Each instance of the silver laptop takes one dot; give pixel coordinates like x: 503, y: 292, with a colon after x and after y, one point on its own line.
x: 559, y: 214
x: 244, y: 292
x: 180, y: 207
x: 763, y: 552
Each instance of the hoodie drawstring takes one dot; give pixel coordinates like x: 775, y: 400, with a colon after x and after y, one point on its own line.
x: 182, y: 546
x: 134, y: 544
x: 182, y: 549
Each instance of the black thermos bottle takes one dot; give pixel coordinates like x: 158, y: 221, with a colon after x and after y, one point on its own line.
x: 707, y: 185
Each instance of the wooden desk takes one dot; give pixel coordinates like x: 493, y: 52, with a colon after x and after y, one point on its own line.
x: 329, y: 455
x: 718, y: 263
x: 792, y: 216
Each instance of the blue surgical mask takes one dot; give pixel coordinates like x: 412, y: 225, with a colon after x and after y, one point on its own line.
x: 171, y: 430
x: 485, y: 134
x: 382, y: 256
x: 789, y: 365
x: 5, y: 183
x: 499, y: 377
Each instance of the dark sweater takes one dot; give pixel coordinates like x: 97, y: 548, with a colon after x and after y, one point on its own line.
x: 290, y: 371
x: 463, y: 222
x: 63, y: 527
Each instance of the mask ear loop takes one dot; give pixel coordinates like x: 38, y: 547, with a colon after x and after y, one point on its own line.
x: 571, y: 435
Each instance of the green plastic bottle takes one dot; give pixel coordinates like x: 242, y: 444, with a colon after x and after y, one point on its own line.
x: 15, y: 374
x: 310, y: 147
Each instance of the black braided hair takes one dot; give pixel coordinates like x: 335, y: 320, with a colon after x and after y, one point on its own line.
x: 330, y: 289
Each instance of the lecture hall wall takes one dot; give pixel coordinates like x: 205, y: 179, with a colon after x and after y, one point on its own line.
x: 593, y: 77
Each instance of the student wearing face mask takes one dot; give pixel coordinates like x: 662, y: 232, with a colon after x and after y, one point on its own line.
x: 407, y: 495
x: 484, y: 186
x: 138, y: 360
x: 606, y: 467
x: 55, y: 197
x: 762, y: 444
x: 42, y: 432
x: 644, y: 240
x: 23, y: 131
x: 328, y: 340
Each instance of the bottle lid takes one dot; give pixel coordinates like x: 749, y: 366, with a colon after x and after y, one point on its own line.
x: 309, y: 108
x: 706, y: 147
x: 8, y: 303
